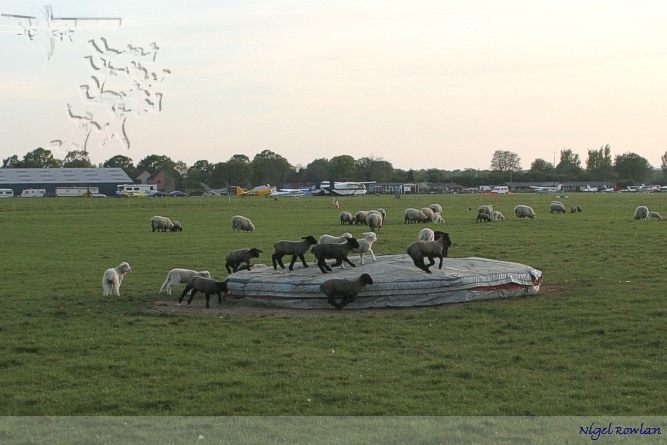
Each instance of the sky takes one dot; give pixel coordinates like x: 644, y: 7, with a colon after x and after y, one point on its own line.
x: 422, y: 84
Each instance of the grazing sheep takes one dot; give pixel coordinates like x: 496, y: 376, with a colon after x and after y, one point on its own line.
x: 177, y: 227
x: 487, y: 209
x: 497, y: 216
x: 365, y: 246
x: 429, y: 215
x: 578, y: 208
x: 177, y: 276
x: 438, y: 219
x: 413, y: 216
x: 556, y: 206
x: 339, y: 252
x: 523, y: 212
x: 294, y: 248
x: 437, y: 208
x: 113, y: 278
x: 654, y: 215
x: 360, y: 217
x: 345, y: 218
x: 383, y: 212
x: 429, y: 249
x: 641, y: 213
x: 426, y: 234
x: 374, y: 221
x: 330, y: 239
x: 483, y: 217
x: 161, y: 224
x: 346, y: 289
x: 206, y: 285
x: 235, y: 258
x: 573, y: 209
x: 242, y: 224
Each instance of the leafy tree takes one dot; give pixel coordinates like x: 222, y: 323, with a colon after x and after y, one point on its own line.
x: 599, y: 164
x: 153, y: 163
x: 77, y: 159
x: 240, y: 158
x: 542, y: 166
x: 569, y: 167
x: 237, y: 171
x: 505, y: 161
x: 120, y: 161
x: 374, y: 169
x: 269, y: 168
x: 40, y: 158
x: 632, y: 167
x: 436, y: 176
x: 342, y: 168
x: 319, y: 168
x: 12, y: 161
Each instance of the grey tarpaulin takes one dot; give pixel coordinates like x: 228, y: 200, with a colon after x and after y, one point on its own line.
x: 397, y: 283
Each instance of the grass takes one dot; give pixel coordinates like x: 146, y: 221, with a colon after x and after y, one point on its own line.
x: 592, y: 342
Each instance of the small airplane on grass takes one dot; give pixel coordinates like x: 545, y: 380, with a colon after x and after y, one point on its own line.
x: 600, y: 189
x: 289, y: 193
x: 553, y: 189
x: 261, y: 190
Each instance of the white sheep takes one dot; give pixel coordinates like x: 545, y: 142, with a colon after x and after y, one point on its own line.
x: 235, y: 258
x: 429, y: 249
x: 177, y: 276
x: 556, y: 206
x: 346, y: 289
x: 383, y: 212
x: 113, y: 278
x: 487, y: 209
x: 437, y: 208
x: 497, y: 216
x: 413, y: 216
x: 654, y: 215
x: 437, y: 218
x: 161, y: 224
x: 523, y: 212
x: 365, y: 246
x: 330, y: 239
x: 374, y: 221
x: 360, y: 217
x: 242, y: 224
x: 177, y: 227
x: 426, y: 234
x: 429, y: 215
x: 346, y: 218
x: 294, y: 248
x: 641, y: 213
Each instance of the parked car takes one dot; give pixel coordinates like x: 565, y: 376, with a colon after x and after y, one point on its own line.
x: 178, y: 194
x: 157, y: 194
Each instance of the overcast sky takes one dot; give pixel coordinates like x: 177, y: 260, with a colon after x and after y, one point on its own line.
x: 422, y: 84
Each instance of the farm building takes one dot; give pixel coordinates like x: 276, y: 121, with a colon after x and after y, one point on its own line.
x: 105, y: 179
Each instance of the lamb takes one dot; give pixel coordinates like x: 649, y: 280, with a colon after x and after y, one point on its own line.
x: 654, y: 215
x: 429, y: 249
x: 483, y: 217
x: 176, y: 276
x: 429, y: 215
x: 437, y: 218
x: 437, y: 208
x: 330, y: 239
x: 206, y: 285
x: 641, y: 213
x: 360, y: 217
x: 242, y: 224
x: 235, y: 258
x: 556, y: 206
x: 522, y: 211
x: 374, y: 221
x: 426, y: 234
x: 345, y: 218
x: 347, y: 289
x: 339, y: 252
x: 177, y: 227
x: 294, y: 248
x: 497, y: 216
x: 578, y: 208
x: 365, y: 246
x: 113, y: 278
x: 161, y: 224
x: 413, y: 216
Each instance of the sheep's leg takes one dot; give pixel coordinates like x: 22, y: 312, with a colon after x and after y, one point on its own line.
x: 277, y: 260
x: 361, y: 258
x: 185, y: 291
x: 322, y: 264
x: 219, y: 297
x: 303, y: 260
x: 229, y: 271
x: 292, y: 261
x: 192, y: 295
x: 347, y: 260
x: 208, y: 299
x: 440, y: 266
x: 372, y: 255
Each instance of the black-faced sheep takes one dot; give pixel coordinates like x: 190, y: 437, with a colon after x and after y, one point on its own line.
x: 235, y: 258
x: 411, y: 216
x: 339, y: 252
x: 365, y: 246
x: 523, y: 212
x: 345, y: 289
x: 641, y: 213
x: 429, y: 249
x: 161, y: 224
x: 113, y: 278
x: 207, y: 286
x: 242, y: 224
x: 177, y: 227
x: 345, y: 218
x: 483, y: 217
x: 374, y: 221
x: 294, y: 248
x: 177, y: 276
x: 557, y: 207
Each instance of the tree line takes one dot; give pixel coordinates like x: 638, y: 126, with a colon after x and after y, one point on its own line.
x: 268, y: 167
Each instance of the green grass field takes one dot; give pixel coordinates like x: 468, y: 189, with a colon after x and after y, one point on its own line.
x: 591, y: 342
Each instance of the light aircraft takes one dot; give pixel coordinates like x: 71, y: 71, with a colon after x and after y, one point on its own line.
x: 643, y: 188
x: 600, y: 189
x: 553, y: 189
x: 345, y: 188
x: 261, y: 190
x: 290, y: 193
x: 208, y: 191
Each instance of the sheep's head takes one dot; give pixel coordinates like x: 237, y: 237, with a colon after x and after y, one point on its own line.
x: 347, y: 235
x: 221, y: 286
x: 310, y: 239
x: 254, y: 252
x: 370, y: 236
x: 205, y: 274
x: 125, y: 267
x: 353, y: 243
x: 447, y: 241
x: 366, y: 279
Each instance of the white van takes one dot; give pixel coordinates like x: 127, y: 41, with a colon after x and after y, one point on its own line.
x: 33, y: 193
x: 500, y: 189
x: 6, y: 193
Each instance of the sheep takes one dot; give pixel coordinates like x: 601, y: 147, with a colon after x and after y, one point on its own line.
x: 161, y: 224
x: 206, y: 285
x: 177, y: 227
x: 488, y: 209
x: 426, y: 234
x: 360, y: 217
x: 654, y: 215
x: 573, y: 209
x: 641, y: 213
x: 113, y: 278
x: 339, y: 252
x: 374, y: 221
x: 522, y: 211
x: 176, y: 276
x: 437, y: 218
x: 429, y: 249
x: 365, y: 246
x: 413, y: 216
x: 347, y: 289
x: 497, y: 216
x: 482, y: 217
x: 556, y: 206
x: 345, y: 218
x: 429, y: 215
x: 330, y: 239
x: 383, y: 212
x: 437, y: 208
x: 235, y: 258
x: 242, y: 224
x: 294, y: 248
x: 578, y: 208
